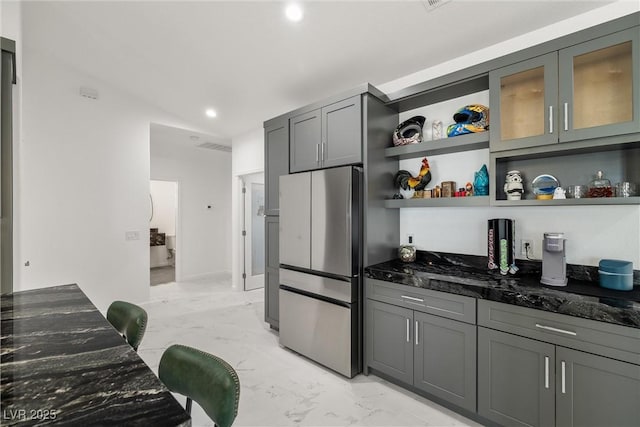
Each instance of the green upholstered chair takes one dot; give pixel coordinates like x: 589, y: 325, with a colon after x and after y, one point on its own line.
x: 203, y: 377
x: 128, y: 319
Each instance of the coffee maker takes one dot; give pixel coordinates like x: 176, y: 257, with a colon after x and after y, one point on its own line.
x: 554, y: 262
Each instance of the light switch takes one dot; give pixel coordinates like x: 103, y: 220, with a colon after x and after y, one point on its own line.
x: 132, y: 235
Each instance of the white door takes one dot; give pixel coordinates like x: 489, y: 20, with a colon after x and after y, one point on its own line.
x: 253, y: 231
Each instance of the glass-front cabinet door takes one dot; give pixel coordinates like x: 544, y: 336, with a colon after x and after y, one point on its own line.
x: 523, y: 104
x: 599, y: 93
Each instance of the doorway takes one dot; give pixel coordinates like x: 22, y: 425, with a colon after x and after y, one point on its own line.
x: 163, y: 253
x: 253, y: 230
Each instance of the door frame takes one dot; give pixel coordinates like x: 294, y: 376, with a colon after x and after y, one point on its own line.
x: 178, y: 225
x: 245, y: 233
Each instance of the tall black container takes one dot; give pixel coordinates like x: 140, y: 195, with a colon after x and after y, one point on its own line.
x: 501, y: 245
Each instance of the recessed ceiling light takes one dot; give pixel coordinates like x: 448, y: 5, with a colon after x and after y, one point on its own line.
x: 294, y: 12
x: 211, y: 112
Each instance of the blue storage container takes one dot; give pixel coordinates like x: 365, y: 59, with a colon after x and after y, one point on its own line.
x: 619, y: 282
x: 616, y: 266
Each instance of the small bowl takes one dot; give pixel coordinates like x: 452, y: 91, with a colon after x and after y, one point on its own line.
x: 616, y: 281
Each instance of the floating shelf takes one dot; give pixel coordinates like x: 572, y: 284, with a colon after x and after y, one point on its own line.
x: 456, y: 144
x: 439, y: 202
x: 570, y: 202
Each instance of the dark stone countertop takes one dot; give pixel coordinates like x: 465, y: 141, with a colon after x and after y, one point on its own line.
x: 468, y: 275
x: 62, y: 363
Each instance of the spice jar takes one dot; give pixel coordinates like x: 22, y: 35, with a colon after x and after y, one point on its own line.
x: 600, y: 186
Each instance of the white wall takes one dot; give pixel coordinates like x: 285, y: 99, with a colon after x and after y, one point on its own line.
x: 593, y: 232
x: 84, y: 182
x: 248, y: 157
x: 165, y: 203
x: 204, y: 179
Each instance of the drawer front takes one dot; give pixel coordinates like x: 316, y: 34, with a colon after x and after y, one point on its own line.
x: 442, y: 304
x: 614, y: 341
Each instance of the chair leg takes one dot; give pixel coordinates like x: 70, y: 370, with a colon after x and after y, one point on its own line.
x: 188, y: 408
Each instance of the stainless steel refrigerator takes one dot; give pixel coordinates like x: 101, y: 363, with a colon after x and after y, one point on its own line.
x: 321, y: 266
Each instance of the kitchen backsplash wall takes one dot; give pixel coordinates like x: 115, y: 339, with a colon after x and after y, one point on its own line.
x: 592, y: 232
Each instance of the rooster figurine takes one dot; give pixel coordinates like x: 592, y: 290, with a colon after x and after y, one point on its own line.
x: 404, y: 180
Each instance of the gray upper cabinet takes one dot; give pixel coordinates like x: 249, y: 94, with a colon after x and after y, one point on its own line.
x: 276, y: 149
x: 306, y: 136
x: 523, y: 99
x: 595, y: 391
x: 326, y: 137
x: 515, y: 379
x: 599, y: 93
x: 585, y: 91
x: 342, y: 133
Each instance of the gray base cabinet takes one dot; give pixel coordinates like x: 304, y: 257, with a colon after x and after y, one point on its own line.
x: 445, y: 359
x: 434, y: 354
x: 389, y: 340
x: 596, y: 391
x: 272, y: 276
x: 515, y: 386
x: 528, y: 375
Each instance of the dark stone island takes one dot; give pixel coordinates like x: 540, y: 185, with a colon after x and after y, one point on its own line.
x: 62, y: 363
x: 468, y: 275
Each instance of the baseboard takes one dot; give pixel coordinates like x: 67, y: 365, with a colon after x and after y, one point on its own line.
x: 219, y: 275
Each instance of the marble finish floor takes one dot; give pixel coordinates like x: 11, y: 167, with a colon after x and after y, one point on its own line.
x: 162, y: 275
x: 278, y: 387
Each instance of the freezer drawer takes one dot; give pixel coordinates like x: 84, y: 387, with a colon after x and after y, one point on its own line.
x: 340, y: 290
x: 319, y: 330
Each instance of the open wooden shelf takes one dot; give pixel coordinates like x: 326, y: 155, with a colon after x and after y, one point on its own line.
x: 439, y: 202
x: 570, y: 202
x: 456, y: 144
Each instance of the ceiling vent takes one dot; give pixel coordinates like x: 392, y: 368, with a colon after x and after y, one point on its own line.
x: 431, y: 5
x: 212, y: 146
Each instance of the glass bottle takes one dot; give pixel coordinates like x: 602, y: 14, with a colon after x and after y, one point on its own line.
x: 407, y: 253
x: 600, y: 186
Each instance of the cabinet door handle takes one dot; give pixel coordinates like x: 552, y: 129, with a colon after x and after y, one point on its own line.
x: 551, y: 328
x: 317, y: 153
x: 322, y: 152
x: 564, y: 378
x: 417, y: 341
x: 546, y: 372
x: 412, y: 298
x: 566, y: 116
x: 408, y: 337
x: 550, y: 118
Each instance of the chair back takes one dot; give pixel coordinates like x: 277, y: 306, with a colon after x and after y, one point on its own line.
x: 203, y: 377
x: 128, y: 319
